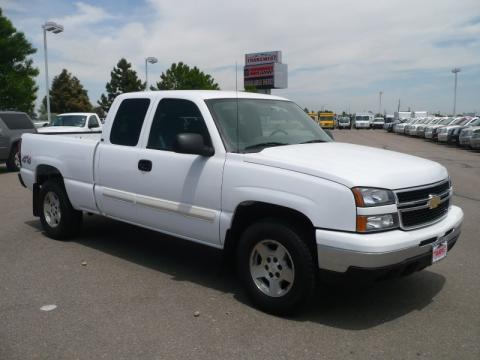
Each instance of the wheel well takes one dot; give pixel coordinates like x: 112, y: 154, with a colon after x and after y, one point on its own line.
x: 47, y: 172
x: 251, y: 211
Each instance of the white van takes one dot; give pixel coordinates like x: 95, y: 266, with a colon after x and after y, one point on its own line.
x: 363, y: 120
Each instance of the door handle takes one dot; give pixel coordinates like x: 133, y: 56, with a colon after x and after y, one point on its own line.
x: 145, y: 165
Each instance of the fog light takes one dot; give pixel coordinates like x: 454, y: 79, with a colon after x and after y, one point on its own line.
x: 367, y: 223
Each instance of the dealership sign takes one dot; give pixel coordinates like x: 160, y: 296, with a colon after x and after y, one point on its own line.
x: 265, y: 70
x: 263, y: 58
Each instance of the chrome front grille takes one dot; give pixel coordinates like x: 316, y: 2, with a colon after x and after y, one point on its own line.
x: 416, y: 207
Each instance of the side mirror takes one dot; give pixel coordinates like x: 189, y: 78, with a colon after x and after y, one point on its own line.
x: 329, y: 133
x: 192, y: 143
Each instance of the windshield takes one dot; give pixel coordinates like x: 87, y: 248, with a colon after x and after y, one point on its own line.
x: 378, y: 119
x: 69, y: 120
x: 362, y: 118
x: 475, y: 123
x: 263, y: 123
x: 459, y: 121
x: 344, y: 120
x: 445, y: 121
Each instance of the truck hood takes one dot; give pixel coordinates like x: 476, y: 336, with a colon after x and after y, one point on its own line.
x: 60, y: 129
x: 352, y: 165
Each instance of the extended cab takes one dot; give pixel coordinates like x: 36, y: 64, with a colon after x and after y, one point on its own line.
x: 241, y: 172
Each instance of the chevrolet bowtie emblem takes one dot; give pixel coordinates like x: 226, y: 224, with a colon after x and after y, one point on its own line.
x: 433, y: 201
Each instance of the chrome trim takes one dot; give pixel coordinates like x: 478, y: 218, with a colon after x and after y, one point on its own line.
x: 402, y: 209
x: 422, y: 206
x: 447, y: 193
x: 421, y: 186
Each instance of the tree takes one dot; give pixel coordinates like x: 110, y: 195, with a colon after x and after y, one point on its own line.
x: 251, y: 89
x: 67, y: 95
x: 122, y: 79
x: 181, y: 77
x: 17, y: 75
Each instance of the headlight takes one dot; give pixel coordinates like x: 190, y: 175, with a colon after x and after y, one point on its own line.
x: 365, y: 197
x: 371, y: 223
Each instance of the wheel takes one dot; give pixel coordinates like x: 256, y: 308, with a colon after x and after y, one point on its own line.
x: 276, y: 267
x: 13, y: 161
x: 59, y: 219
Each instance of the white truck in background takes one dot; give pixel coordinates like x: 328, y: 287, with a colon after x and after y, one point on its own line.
x: 69, y: 123
x: 241, y: 172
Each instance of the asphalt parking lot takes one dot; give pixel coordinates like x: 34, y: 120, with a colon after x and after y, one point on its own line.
x: 122, y: 292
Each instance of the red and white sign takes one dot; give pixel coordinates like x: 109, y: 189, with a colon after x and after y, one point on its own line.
x: 258, y: 71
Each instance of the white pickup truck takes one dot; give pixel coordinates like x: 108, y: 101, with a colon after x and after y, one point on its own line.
x: 69, y: 123
x: 241, y: 172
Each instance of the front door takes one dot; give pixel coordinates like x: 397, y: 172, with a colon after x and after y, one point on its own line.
x: 179, y: 194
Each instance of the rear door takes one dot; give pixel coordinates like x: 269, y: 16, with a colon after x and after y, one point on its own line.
x: 181, y: 193
x: 117, y: 160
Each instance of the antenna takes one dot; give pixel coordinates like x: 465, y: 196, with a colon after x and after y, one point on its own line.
x: 236, y: 96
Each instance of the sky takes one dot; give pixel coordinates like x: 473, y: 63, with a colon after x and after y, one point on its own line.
x: 340, y: 54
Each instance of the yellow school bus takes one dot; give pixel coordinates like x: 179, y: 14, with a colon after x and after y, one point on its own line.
x: 327, y: 120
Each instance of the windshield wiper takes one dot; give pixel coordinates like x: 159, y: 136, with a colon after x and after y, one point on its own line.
x: 313, y: 141
x: 265, y: 144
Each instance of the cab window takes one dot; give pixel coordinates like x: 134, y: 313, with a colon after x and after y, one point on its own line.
x: 173, y: 117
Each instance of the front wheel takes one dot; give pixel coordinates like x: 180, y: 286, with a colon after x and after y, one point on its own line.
x: 276, y: 267
x: 59, y: 219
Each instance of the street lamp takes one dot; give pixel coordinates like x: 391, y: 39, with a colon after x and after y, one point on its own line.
x: 56, y: 29
x: 455, y: 71
x: 380, y: 102
x: 151, y: 60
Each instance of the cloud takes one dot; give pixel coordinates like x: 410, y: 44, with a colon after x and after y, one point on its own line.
x: 338, y: 52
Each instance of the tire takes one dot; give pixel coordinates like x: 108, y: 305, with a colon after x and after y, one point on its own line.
x: 284, y: 265
x: 59, y: 219
x: 13, y: 161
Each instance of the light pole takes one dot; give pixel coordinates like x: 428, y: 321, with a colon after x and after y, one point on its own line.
x: 56, y: 29
x: 455, y: 71
x: 380, y: 102
x: 151, y: 60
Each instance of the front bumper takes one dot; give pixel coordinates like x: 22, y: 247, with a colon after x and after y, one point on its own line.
x: 465, y: 141
x: 475, y: 143
x: 443, y: 137
x: 339, y: 251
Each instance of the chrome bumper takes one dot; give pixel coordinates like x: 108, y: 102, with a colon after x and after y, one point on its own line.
x: 370, y: 251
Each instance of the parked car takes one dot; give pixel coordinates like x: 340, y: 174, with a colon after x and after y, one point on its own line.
x: 411, y: 127
x: 466, y: 133
x: 445, y: 133
x: 344, y: 122
x: 431, y: 132
x: 378, y: 123
x: 12, y: 126
x: 399, y: 128
x: 241, y: 172
x: 73, y: 123
x: 389, y: 121
x: 455, y: 133
x: 362, y: 120
x: 475, y: 139
x: 420, y: 129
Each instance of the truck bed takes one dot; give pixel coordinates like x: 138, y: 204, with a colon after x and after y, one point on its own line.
x: 72, y: 155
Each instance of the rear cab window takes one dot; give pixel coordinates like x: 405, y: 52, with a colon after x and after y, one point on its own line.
x: 17, y: 121
x: 128, y: 121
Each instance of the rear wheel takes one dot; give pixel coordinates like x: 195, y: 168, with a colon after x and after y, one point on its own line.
x: 59, y: 219
x: 276, y: 267
x: 13, y: 161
